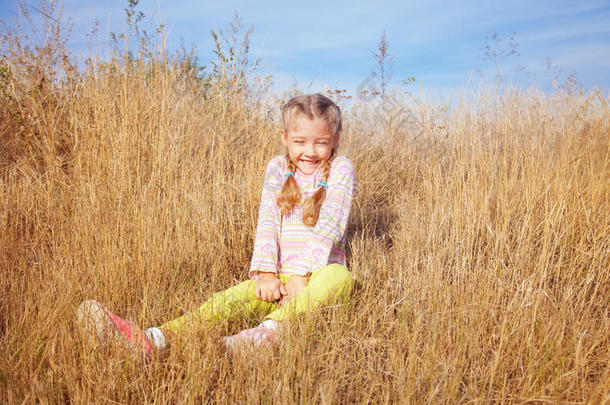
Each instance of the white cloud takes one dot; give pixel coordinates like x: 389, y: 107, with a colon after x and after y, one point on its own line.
x: 591, y: 55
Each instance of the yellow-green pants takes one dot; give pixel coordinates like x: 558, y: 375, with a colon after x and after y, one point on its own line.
x: 327, y: 285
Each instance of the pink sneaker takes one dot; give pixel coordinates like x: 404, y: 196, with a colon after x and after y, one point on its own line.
x: 257, y: 336
x: 104, y: 327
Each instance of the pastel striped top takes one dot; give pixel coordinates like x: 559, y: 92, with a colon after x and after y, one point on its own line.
x: 285, y: 244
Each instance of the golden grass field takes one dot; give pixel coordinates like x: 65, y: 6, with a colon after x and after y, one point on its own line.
x: 480, y: 242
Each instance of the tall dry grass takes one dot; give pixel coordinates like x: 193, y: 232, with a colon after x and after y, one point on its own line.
x: 480, y: 244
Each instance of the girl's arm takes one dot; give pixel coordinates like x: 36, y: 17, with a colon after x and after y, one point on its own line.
x: 333, y: 217
x: 266, y: 242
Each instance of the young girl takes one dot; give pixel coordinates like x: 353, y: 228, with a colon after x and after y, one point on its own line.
x: 298, y: 262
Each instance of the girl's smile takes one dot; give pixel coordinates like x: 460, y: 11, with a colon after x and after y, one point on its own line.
x: 309, y: 143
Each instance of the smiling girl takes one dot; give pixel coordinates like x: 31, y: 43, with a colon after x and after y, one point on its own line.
x: 298, y: 263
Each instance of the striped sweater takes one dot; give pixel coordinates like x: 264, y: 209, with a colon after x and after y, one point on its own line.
x: 285, y: 244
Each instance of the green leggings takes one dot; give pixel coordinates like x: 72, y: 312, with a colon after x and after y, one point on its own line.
x: 332, y: 283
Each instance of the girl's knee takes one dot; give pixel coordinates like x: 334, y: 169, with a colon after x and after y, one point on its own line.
x: 338, y: 276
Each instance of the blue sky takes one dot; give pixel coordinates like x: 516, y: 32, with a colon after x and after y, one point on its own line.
x: 328, y: 44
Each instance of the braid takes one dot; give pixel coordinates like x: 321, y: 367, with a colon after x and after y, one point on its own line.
x: 311, y: 208
x: 290, y: 195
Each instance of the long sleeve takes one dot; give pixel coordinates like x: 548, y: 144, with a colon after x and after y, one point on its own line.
x: 266, y: 243
x: 332, y: 221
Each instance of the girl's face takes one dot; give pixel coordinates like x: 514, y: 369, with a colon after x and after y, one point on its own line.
x: 309, y: 143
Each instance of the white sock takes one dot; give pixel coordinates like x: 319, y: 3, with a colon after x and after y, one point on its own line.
x: 155, y: 336
x: 269, y: 323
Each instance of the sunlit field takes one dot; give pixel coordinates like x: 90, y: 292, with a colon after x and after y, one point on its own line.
x: 479, y: 238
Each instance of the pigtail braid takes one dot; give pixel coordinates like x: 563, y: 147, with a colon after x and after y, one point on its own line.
x: 311, y: 208
x: 290, y: 195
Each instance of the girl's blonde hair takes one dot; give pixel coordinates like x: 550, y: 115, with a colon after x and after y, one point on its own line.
x: 312, y: 106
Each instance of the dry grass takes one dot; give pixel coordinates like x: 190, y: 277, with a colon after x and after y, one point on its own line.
x: 481, y: 245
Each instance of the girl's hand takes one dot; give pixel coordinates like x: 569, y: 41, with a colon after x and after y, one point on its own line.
x: 294, y: 286
x: 269, y: 287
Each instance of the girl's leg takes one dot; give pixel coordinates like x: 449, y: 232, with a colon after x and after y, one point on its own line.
x: 235, y: 302
x: 103, y: 326
x: 329, y: 284
x: 326, y: 285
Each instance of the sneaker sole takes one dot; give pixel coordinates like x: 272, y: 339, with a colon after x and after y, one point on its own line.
x: 97, y: 324
x: 100, y: 330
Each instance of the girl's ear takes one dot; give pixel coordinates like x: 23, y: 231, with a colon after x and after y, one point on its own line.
x: 284, y: 137
x: 336, y: 141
